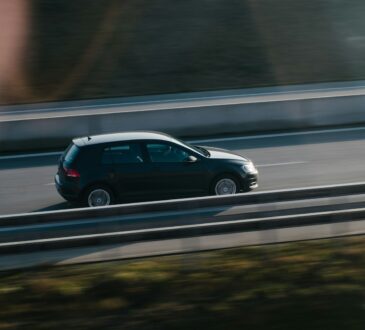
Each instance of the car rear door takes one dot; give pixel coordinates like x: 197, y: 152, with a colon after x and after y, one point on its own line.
x: 128, y: 170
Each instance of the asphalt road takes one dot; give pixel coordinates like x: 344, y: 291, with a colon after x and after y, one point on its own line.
x: 286, y: 160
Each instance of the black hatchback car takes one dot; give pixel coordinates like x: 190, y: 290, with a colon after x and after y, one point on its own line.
x: 133, y: 166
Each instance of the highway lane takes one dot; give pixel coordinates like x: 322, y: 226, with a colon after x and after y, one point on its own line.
x: 290, y: 160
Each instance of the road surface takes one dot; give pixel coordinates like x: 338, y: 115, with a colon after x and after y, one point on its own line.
x: 284, y: 160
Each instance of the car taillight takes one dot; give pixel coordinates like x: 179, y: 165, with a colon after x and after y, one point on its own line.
x: 71, y: 173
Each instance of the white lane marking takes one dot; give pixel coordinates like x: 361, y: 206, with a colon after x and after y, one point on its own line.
x: 44, y: 154
x: 277, y: 135
x: 237, y: 138
x: 281, y: 164
x: 262, y: 165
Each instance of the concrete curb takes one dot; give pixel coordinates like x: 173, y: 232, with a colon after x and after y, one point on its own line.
x: 277, y: 112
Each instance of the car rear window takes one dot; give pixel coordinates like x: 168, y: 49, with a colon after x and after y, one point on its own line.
x: 123, y: 154
x: 71, y: 153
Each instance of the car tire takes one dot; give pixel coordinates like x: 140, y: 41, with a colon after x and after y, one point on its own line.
x: 98, y: 195
x: 225, y: 185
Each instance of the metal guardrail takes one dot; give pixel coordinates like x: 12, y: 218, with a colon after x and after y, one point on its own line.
x: 37, y: 231
x: 183, y: 204
x: 161, y: 233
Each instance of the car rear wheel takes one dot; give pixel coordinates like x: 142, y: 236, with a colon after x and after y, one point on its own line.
x: 98, y: 196
x: 225, y: 185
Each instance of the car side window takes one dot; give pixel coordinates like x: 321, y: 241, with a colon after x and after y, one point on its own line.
x: 123, y: 154
x: 166, y: 153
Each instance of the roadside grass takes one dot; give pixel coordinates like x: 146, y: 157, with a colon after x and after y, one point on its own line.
x: 306, y: 285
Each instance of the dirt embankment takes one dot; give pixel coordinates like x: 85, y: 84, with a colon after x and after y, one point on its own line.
x: 74, y: 50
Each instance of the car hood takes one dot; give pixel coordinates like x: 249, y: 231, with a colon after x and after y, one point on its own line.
x: 216, y: 153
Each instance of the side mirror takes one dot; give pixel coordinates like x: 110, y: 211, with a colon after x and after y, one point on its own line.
x: 191, y: 159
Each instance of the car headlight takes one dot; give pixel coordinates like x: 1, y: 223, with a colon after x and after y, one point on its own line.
x: 249, y: 168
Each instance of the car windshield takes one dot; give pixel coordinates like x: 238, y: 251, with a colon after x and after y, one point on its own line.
x: 200, y: 150
x: 205, y: 152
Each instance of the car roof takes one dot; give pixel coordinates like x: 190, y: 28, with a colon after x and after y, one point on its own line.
x: 121, y: 137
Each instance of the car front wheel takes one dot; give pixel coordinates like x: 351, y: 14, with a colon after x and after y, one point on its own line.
x: 225, y: 185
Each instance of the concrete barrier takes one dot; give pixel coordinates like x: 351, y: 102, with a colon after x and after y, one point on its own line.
x: 266, y: 112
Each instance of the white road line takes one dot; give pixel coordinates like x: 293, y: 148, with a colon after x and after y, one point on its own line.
x: 281, y: 164
x: 277, y: 135
x: 262, y: 165
x: 236, y: 138
x: 44, y: 154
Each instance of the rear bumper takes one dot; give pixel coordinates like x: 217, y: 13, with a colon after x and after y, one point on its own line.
x: 67, y: 190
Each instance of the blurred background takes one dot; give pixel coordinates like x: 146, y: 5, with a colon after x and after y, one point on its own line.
x: 62, y: 50
x: 58, y: 50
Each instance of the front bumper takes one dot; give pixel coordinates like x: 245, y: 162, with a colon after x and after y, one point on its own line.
x: 249, y: 181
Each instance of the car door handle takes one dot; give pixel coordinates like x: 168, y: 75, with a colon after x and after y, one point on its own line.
x: 111, y: 174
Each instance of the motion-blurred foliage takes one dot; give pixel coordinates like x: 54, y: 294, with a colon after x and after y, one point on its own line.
x: 313, y: 285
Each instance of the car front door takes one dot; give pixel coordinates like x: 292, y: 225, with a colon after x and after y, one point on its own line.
x: 177, y: 171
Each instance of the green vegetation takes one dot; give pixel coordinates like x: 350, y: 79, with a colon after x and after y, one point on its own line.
x: 136, y: 47
x: 310, y: 285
